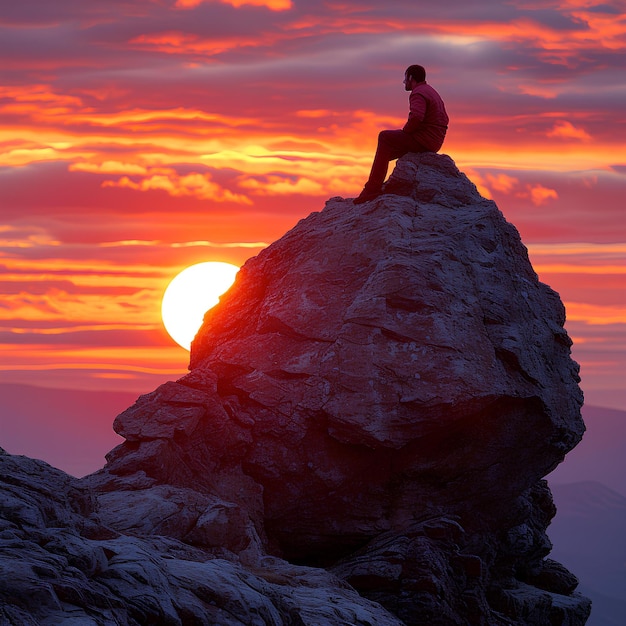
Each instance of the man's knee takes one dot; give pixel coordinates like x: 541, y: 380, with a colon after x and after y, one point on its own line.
x: 386, y: 136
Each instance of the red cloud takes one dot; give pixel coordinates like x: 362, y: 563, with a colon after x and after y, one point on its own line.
x: 192, y: 184
x: 273, y: 5
x: 567, y: 130
x: 540, y: 194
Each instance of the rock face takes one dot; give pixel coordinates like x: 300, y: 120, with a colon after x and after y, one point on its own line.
x: 379, y: 394
x: 60, y: 565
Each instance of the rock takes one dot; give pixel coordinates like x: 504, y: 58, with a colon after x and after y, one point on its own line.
x: 446, y: 576
x: 379, y: 394
x: 53, y: 572
x: 370, y: 359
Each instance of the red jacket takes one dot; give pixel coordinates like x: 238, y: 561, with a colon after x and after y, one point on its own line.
x: 428, y: 120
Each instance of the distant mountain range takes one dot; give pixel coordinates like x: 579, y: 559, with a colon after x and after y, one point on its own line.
x: 71, y: 429
x: 601, y: 455
x: 588, y: 532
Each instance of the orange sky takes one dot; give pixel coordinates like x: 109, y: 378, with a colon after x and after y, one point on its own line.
x: 139, y: 137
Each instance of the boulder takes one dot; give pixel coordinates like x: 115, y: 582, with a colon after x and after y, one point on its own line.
x: 372, y: 406
x: 61, y: 564
x: 378, y: 364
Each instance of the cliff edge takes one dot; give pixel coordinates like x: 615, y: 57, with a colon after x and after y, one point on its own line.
x: 371, y: 408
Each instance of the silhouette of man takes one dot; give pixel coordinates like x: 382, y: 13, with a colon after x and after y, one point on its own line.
x: 424, y: 131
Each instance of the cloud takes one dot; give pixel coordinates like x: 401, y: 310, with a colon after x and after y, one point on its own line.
x: 506, y: 184
x: 109, y: 167
x: 212, y: 244
x: 595, y: 314
x: 191, y: 44
x: 589, y: 255
x: 540, y: 194
x: 279, y: 185
x: 140, y: 137
x: 15, y: 238
x: 558, y: 206
x: 567, y: 130
x: 502, y: 182
x: 194, y: 184
x: 273, y: 5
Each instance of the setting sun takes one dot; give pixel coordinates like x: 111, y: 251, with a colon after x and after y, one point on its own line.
x: 190, y: 295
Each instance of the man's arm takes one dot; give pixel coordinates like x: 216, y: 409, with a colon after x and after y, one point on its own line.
x: 417, y: 111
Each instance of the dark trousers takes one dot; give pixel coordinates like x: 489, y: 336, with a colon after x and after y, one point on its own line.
x: 392, y: 144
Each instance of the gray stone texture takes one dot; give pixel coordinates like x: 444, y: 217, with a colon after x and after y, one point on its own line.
x: 361, y: 439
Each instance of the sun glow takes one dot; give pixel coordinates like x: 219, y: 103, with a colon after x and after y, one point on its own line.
x: 190, y: 295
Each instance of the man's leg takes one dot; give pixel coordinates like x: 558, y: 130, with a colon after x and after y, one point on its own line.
x: 392, y: 144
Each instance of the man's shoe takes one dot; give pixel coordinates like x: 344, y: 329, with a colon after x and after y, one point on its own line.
x: 367, y: 194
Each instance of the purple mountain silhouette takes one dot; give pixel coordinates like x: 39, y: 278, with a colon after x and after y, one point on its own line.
x: 69, y: 428
x: 588, y: 531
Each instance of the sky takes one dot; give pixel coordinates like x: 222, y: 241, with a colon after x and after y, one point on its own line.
x: 138, y: 137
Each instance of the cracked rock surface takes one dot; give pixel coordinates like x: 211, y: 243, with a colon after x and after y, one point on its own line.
x: 361, y: 439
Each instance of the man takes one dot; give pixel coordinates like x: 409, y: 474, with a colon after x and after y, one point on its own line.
x: 424, y: 131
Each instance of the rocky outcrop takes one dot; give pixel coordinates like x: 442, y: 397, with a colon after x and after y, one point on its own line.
x: 372, y: 406
x: 61, y: 565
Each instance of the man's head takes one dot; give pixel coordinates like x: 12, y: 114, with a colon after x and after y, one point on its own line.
x: 414, y: 74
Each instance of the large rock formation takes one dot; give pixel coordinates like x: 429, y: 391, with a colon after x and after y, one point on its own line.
x: 379, y: 395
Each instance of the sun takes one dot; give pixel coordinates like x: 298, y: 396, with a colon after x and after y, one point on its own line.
x: 190, y: 295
